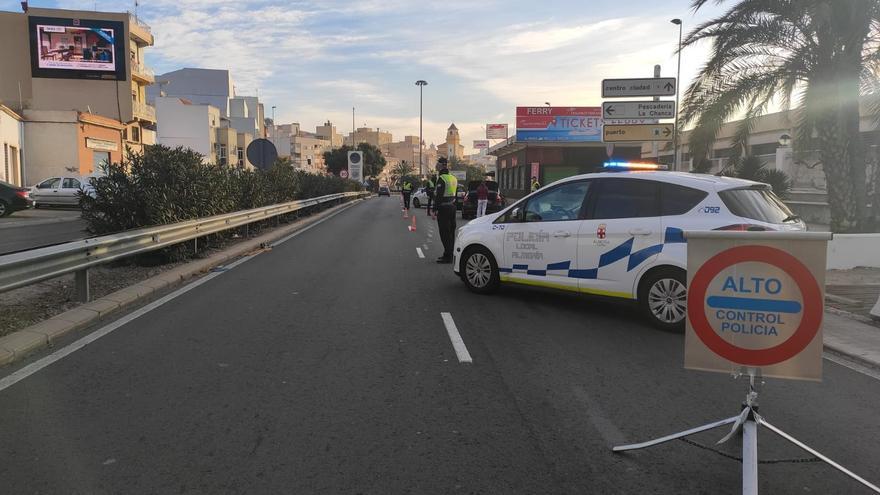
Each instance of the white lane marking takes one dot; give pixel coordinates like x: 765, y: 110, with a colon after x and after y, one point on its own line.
x: 421, y: 254
x: 460, y: 349
x: 60, y: 354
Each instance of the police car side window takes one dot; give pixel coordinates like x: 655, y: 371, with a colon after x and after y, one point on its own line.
x: 678, y: 200
x: 560, y: 203
x: 626, y: 198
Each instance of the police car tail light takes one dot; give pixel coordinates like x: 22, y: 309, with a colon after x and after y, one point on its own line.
x: 744, y: 227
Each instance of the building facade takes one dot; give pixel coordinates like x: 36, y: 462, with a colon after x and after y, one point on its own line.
x: 375, y: 137
x: 59, y: 142
x: 12, y: 142
x: 76, y: 71
x: 452, y: 147
x: 329, y: 134
x: 200, y: 86
x: 307, y: 152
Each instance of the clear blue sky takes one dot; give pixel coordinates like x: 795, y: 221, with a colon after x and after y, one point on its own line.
x: 315, y: 59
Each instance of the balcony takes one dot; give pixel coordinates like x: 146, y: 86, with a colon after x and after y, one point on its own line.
x: 142, y: 111
x: 142, y: 73
x: 140, y: 30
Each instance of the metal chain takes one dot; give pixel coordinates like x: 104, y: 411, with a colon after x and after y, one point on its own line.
x: 739, y: 459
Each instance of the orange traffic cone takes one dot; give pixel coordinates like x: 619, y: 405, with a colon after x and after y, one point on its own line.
x: 412, y: 228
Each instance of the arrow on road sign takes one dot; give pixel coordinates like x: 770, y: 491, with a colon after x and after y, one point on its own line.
x: 653, y: 86
x: 666, y: 131
x: 669, y: 86
x: 636, y: 133
x: 610, y: 110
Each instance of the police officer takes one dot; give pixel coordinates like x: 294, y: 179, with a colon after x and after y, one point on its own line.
x: 535, y: 184
x: 429, y: 191
x: 444, y: 196
x: 406, y: 190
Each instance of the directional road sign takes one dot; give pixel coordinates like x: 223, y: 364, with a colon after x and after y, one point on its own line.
x: 638, y: 132
x: 638, y: 109
x: 649, y: 86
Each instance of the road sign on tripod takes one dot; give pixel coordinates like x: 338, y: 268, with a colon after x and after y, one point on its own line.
x: 754, y: 308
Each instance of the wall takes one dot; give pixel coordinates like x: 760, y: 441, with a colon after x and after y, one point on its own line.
x: 50, y: 144
x: 11, y: 143
x: 204, y: 86
x: 190, y: 126
x: 15, y: 64
x: 846, y: 251
x: 86, y: 155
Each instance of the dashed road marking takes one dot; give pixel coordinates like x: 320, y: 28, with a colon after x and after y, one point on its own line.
x: 460, y: 349
x: 421, y: 254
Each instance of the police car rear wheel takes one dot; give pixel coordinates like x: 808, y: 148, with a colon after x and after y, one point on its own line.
x: 480, y: 273
x: 664, y: 299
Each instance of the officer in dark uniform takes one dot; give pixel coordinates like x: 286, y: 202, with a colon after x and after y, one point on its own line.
x: 444, y: 205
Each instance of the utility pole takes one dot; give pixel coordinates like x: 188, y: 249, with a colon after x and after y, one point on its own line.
x: 675, y: 158
x: 352, y: 128
x: 421, y: 84
x: 654, y: 147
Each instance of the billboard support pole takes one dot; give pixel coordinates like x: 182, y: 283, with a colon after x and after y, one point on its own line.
x: 748, y: 421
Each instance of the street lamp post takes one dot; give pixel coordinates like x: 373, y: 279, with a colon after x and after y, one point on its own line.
x: 421, y: 84
x: 675, y: 158
x: 274, y: 126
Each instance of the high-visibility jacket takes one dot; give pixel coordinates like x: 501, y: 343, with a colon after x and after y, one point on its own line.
x: 535, y: 186
x: 451, y: 184
x: 407, y: 186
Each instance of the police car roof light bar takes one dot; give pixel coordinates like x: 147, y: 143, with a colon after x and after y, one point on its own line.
x: 615, y: 165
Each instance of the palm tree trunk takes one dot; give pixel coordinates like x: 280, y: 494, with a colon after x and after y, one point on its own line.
x: 833, y: 151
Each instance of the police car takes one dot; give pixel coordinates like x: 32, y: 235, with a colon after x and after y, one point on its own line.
x: 615, y: 233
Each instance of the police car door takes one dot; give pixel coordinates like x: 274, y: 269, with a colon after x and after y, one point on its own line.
x: 541, y: 242
x: 622, y: 232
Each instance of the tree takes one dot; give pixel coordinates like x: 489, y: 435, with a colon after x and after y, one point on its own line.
x: 821, y: 54
x: 753, y: 168
x: 337, y: 160
x: 402, y: 169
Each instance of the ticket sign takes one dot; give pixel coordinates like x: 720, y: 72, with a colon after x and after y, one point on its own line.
x: 756, y: 300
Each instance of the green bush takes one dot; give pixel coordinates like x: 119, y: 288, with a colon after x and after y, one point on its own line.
x: 167, y: 185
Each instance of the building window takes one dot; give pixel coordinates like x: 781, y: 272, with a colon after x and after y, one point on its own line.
x: 134, y: 96
x: 221, y: 154
x: 239, y: 152
x: 136, y: 134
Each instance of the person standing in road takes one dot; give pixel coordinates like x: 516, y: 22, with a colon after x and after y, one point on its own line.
x: 406, y: 191
x: 482, y: 198
x: 447, y: 186
x: 535, y: 184
x: 429, y: 191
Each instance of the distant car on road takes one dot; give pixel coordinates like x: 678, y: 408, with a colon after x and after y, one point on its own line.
x: 383, y: 191
x: 60, y: 190
x: 469, y: 206
x: 13, y: 198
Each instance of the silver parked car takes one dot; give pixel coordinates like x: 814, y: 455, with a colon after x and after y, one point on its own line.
x: 60, y: 191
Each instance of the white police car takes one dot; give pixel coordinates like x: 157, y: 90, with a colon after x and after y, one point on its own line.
x: 614, y: 233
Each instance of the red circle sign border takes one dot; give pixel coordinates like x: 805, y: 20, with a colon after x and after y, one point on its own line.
x: 803, y: 335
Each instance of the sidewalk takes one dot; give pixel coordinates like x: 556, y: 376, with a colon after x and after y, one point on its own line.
x: 849, y: 328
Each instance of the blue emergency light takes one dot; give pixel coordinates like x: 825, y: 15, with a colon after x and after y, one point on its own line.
x: 612, y: 166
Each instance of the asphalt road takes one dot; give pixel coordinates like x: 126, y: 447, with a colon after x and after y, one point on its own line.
x: 323, y: 366
x: 36, y: 228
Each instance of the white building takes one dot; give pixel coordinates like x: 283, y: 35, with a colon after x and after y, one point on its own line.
x: 246, y: 115
x: 201, y: 86
x: 281, y: 136
x: 12, y: 141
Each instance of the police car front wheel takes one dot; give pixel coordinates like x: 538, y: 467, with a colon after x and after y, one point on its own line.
x: 664, y: 299
x: 479, y: 270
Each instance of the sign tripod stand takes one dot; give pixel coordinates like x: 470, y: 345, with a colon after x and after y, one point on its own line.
x: 748, y: 421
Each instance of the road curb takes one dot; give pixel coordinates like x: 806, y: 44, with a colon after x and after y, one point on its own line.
x: 19, y: 344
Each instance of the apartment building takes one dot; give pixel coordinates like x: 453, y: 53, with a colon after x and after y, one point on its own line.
x: 86, y: 65
x: 308, y: 152
x: 202, y: 128
x: 369, y: 135
x: 201, y: 86
x: 328, y: 133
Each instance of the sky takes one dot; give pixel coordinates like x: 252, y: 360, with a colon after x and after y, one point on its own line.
x: 315, y: 60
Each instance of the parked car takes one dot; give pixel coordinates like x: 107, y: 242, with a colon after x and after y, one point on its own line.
x: 420, y: 198
x: 383, y: 191
x: 13, y: 198
x: 60, y: 191
x: 617, y: 233
x: 460, y: 193
x: 469, y: 206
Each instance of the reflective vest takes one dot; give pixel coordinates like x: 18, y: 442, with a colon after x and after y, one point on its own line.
x: 451, y: 185
x: 535, y: 186
x: 407, y: 186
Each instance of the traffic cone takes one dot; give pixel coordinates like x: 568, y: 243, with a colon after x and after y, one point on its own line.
x: 412, y: 228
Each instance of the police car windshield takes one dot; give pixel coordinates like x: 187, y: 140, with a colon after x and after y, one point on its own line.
x: 757, y: 203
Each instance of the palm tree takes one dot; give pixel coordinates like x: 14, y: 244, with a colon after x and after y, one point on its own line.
x: 821, y: 55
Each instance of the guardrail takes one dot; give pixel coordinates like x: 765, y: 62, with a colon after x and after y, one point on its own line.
x: 35, y: 265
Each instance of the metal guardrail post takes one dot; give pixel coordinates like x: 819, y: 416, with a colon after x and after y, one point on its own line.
x: 83, y: 294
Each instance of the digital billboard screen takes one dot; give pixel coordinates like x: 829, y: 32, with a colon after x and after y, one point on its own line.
x: 77, y: 48
x: 582, y: 124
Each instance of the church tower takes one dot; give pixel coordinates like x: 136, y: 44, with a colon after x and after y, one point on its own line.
x: 453, y: 143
